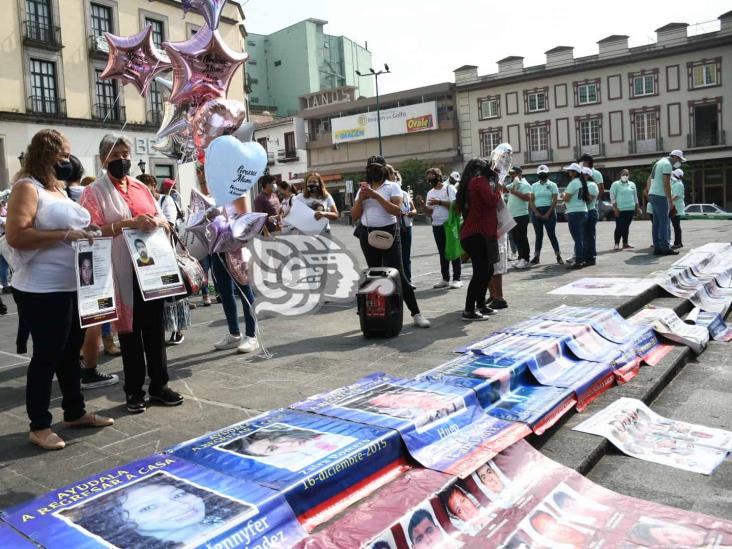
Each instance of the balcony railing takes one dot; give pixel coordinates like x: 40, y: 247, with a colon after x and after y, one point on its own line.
x: 592, y: 150
x: 287, y: 155
x: 154, y: 117
x: 270, y: 158
x: 98, y: 46
x: 40, y: 34
x: 706, y: 140
x: 49, y: 106
x: 645, y: 146
x: 109, y: 113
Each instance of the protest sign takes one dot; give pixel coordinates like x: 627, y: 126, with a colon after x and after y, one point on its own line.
x: 667, y: 323
x: 159, y: 501
x: 156, y: 267
x: 95, y: 282
x: 612, y: 287
x: 302, y: 218
x: 506, y: 222
x: 641, y: 433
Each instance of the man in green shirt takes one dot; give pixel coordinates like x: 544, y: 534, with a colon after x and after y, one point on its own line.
x: 519, y: 194
x: 677, y: 197
x: 659, y: 196
x: 587, y: 161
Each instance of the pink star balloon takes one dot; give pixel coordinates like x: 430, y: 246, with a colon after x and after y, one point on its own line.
x: 134, y: 59
x: 202, y: 66
x: 209, y: 9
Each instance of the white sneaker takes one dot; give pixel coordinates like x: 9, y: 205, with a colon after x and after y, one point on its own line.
x: 441, y: 284
x: 248, y: 345
x: 522, y: 264
x: 420, y: 321
x: 229, y: 342
x: 456, y: 284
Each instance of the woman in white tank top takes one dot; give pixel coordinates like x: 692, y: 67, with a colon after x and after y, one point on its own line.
x: 42, y: 224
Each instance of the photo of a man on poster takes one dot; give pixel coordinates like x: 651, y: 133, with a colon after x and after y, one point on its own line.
x: 464, y: 511
x: 649, y: 532
x: 423, y: 532
x: 496, y: 486
x: 86, y: 269
x: 143, y: 259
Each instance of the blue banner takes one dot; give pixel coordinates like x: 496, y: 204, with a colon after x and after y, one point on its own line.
x: 13, y: 540
x: 314, y: 461
x: 158, y: 502
x: 443, y: 426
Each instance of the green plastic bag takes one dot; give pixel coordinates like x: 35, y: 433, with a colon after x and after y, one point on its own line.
x: 453, y: 249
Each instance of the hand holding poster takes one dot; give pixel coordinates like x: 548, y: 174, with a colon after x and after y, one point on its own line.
x: 95, y: 282
x: 156, y: 267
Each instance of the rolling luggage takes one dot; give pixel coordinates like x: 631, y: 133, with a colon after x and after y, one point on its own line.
x: 380, y: 306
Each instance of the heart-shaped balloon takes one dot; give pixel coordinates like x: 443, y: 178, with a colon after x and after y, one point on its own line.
x: 214, y: 118
x: 233, y: 167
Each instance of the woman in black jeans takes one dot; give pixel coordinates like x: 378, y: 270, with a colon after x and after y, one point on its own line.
x: 477, y: 200
x: 378, y: 205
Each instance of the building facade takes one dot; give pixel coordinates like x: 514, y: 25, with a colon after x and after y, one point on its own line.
x: 53, y: 55
x: 625, y: 106
x: 299, y: 60
x: 284, y: 141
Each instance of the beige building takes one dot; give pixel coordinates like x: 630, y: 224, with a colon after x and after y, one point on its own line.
x: 52, y: 54
x: 625, y: 106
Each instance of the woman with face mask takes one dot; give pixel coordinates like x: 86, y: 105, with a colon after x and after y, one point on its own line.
x: 677, y: 198
x: 42, y: 224
x: 576, y: 196
x: 317, y: 198
x: 543, y: 204
x: 117, y: 201
x: 590, y: 238
x: 624, y: 198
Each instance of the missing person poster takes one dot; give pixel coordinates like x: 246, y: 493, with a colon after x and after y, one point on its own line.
x: 443, y: 426
x: 12, y: 539
x: 641, y: 433
x: 610, y: 287
x: 160, y: 502
x: 667, y: 323
x: 320, y: 464
x: 718, y: 329
x: 156, y: 267
x: 95, y: 282
x: 606, y: 322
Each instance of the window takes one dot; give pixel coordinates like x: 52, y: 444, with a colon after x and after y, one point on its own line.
x: 489, y: 140
x: 706, y: 208
x: 254, y: 99
x: 252, y: 61
x: 536, y: 101
x: 101, y: 19
x: 693, y: 209
x: 155, y: 99
x: 645, y: 126
x: 290, y: 151
x: 252, y: 44
x: 263, y: 141
x: 538, y: 139
x: 105, y: 99
x: 589, y: 133
x: 277, y: 63
x: 43, y: 86
x: 489, y: 107
x: 643, y: 85
x: 587, y: 94
x: 39, y: 19
x: 158, y: 32
x: 705, y: 75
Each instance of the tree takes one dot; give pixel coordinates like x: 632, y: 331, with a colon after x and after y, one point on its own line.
x: 413, y: 175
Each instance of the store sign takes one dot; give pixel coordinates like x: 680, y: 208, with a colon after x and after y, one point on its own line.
x: 144, y: 146
x: 345, y: 94
x: 397, y: 121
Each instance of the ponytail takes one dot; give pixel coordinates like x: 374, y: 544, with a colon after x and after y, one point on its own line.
x: 584, y: 192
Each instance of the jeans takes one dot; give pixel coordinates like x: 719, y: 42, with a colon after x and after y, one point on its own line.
x: 23, y: 335
x: 438, y: 232
x: 551, y: 230
x: 590, y: 238
x: 53, y: 321
x: 577, y: 222
x: 390, y: 258
x: 477, y: 248
x: 206, y: 264
x: 676, y: 220
x: 4, y: 268
x: 144, y: 347
x: 107, y: 329
x: 226, y: 287
x: 622, y: 225
x: 661, y: 227
x: 520, y: 237
x: 406, y: 237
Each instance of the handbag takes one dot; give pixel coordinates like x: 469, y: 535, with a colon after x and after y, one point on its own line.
x: 381, y: 240
x: 194, y: 277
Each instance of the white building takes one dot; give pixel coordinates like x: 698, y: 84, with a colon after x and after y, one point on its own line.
x: 283, y: 139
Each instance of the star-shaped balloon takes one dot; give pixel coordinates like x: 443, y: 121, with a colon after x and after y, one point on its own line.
x: 202, y: 66
x: 209, y: 9
x: 134, y: 59
x: 175, y: 120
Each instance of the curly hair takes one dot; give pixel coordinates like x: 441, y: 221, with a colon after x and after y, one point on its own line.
x: 105, y: 517
x: 323, y: 190
x: 272, y: 433
x: 40, y: 156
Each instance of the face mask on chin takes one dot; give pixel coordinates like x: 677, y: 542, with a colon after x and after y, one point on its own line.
x: 119, y: 168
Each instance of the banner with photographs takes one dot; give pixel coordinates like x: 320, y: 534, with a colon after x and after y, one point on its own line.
x: 12, y: 539
x: 158, y: 502
x: 718, y: 329
x: 606, y: 322
x: 155, y: 264
x: 610, y: 287
x: 443, y: 426
x: 667, y: 323
x: 321, y: 465
x: 639, y: 432
x: 95, y: 282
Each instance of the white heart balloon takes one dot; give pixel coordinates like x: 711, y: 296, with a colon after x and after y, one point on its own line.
x: 233, y: 167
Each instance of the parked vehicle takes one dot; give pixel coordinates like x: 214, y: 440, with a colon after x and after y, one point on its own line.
x: 705, y: 211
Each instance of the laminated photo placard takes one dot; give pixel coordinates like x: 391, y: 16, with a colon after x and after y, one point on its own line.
x: 160, y: 502
x: 320, y: 464
x: 11, y: 538
x: 443, y: 426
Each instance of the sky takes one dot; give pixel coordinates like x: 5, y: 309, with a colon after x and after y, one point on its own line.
x: 423, y: 41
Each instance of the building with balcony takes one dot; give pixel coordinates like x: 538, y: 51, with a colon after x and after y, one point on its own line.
x: 625, y: 106
x: 284, y: 141
x: 54, y: 53
x: 299, y: 60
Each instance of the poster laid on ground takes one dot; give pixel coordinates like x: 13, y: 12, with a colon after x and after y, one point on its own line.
x: 606, y: 322
x: 612, y: 287
x: 718, y: 328
x: 158, y: 502
x: 95, y: 282
x: 639, y: 432
x: 667, y: 323
x: 12, y: 539
x: 156, y: 267
x: 320, y: 464
x: 443, y: 426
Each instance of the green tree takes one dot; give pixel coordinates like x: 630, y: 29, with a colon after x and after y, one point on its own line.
x: 413, y: 171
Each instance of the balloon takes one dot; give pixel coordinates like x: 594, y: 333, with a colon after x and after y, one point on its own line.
x: 197, y: 209
x: 245, y: 132
x: 237, y: 261
x: 202, y: 66
x: 165, y: 83
x: 209, y: 9
x: 214, y: 118
x: 134, y: 59
x: 501, y: 159
x: 175, y: 120
x: 226, y: 236
x: 176, y: 147
x: 233, y: 167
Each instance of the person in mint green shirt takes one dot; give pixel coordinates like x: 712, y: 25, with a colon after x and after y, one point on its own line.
x: 586, y: 161
x: 659, y: 195
x: 543, y: 204
x: 519, y: 195
x: 624, y: 198
x: 576, y: 196
x: 677, y: 197
x: 590, y: 239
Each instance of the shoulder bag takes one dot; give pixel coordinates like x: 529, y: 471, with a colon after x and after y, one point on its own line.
x: 194, y: 277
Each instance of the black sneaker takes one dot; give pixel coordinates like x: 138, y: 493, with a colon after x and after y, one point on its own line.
x: 3, y: 308
x: 486, y: 311
x: 590, y: 263
x: 560, y: 261
x: 93, y: 379
x: 499, y: 304
x: 535, y: 261
x: 669, y: 252
x: 469, y: 316
x: 167, y: 397
x: 136, y: 404
x: 574, y: 266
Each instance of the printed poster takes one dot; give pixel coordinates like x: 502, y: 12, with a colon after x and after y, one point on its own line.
x: 666, y: 322
x: 506, y: 222
x: 158, y: 502
x: 606, y: 322
x: 641, y: 433
x: 443, y: 426
x: 156, y: 267
x: 12, y: 539
x: 718, y: 329
x: 612, y: 287
x: 320, y: 464
x: 95, y: 282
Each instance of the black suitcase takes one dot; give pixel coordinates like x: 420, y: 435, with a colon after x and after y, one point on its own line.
x: 380, y: 315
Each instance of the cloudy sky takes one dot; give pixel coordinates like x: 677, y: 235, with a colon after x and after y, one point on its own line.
x: 423, y: 41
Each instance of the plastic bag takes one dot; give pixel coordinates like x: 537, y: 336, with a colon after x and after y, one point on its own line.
x: 453, y: 249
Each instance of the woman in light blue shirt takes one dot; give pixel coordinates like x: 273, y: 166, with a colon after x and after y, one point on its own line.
x: 590, y: 239
x: 624, y: 197
x: 677, y: 198
x: 576, y: 196
x: 543, y: 204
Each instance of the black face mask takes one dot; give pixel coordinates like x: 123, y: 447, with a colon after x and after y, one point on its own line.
x: 119, y: 168
x: 432, y: 182
x: 543, y: 176
x: 64, y: 170
x: 374, y: 175
x: 314, y: 189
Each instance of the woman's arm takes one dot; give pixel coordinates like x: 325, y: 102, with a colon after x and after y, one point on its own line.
x: 555, y: 197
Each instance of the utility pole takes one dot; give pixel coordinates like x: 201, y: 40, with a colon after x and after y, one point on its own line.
x: 376, y: 75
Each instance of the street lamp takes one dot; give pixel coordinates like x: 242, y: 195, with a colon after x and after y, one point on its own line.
x: 142, y: 165
x: 376, y: 75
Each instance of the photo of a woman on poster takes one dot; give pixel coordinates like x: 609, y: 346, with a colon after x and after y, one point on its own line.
x: 86, y: 269
x: 548, y: 530
x: 157, y: 512
x: 464, y: 511
x: 577, y: 508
